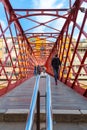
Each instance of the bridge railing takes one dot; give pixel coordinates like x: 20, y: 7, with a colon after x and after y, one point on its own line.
x: 35, y: 101
x: 48, y: 105
x: 30, y: 119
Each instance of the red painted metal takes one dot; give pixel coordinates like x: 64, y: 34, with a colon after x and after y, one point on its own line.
x: 27, y: 55
x: 77, y: 43
x: 74, y: 17
x: 82, y: 62
x: 68, y: 80
x: 19, y: 72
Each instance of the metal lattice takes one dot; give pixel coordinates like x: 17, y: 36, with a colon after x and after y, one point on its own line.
x: 22, y: 47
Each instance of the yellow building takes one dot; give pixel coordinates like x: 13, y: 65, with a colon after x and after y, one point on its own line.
x: 64, y: 57
x: 82, y: 47
x: 39, y: 48
x: 5, y: 58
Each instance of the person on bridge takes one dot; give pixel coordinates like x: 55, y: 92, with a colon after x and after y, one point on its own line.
x: 56, y: 63
x: 38, y: 69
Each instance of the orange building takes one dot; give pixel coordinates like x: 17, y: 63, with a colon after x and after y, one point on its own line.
x: 64, y: 57
x: 39, y: 48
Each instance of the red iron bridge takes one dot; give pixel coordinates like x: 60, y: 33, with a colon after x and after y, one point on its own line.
x: 31, y: 37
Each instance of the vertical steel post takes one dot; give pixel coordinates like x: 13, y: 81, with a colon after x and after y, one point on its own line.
x: 38, y: 112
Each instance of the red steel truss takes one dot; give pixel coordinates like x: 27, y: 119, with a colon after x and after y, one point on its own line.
x: 27, y: 46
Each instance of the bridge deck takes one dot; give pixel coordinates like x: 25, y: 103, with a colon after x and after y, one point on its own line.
x: 64, y: 100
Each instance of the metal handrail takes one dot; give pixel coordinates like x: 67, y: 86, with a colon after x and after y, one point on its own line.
x: 48, y: 105
x: 30, y: 118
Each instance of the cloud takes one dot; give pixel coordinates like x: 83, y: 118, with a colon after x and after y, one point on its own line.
x: 39, y: 29
x: 81, y: 17
x: 58, y: 24
x: 46, y: 4
x: 2, y: 24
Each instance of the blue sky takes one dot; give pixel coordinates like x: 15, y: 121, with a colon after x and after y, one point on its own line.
x: 41, y: 4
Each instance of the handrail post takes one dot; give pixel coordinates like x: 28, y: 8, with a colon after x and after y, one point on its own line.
x: 36, y: 100
x: 48, y: 105
x: 38, y: 112
x: 30, y: 118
